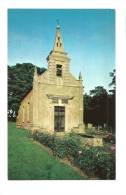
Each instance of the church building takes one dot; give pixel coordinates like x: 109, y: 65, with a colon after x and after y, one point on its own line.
x: 55, y: 103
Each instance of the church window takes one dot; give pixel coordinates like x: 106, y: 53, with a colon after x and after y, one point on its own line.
x: 60, y: 44
x: 59, y: 70
x: 57, y: 44
x: 58, y: 38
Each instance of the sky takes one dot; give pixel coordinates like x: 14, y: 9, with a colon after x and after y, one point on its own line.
x: 88, y: 37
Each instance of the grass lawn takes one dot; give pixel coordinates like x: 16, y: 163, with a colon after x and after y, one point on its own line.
x: 31, y: 161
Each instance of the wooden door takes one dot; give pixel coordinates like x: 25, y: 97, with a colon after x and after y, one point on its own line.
x: 59, y: 118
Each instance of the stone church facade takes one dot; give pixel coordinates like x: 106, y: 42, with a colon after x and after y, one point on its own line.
x: 55, y: 104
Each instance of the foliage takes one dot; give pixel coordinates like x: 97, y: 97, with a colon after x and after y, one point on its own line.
x: 72, y: 144
x: 96, y: 162
x: 106, y: 165
x: 111, y: 114
x: 44, y: 138
x: 30, y: 161
x: 99, y: 105
x: 110, y: 138
x: 98, y: 91
x: 59, y: 148
x: 92, y: 160
x: 113, y: 82
x: 20, y: 79
x: 96, y: 106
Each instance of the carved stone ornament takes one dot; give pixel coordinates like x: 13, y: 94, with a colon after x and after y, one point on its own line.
x: 62, y: 97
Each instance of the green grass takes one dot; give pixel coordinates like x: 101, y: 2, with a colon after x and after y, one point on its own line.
x: 28, y: 160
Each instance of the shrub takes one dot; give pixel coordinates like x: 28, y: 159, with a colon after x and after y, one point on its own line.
x: 110, y: 138
x: 97, y: 163
x: 72, y: 143
x: 44, y: 138
x: 92, y: 160
x: 106, y: 166
x: 60, y: 148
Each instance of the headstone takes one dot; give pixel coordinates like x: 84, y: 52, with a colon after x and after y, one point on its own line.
x: 93, y: 128
x: 89, y: 125
x: 98, y: 142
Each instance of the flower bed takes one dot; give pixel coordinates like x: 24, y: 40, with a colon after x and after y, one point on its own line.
x: 92, y: 160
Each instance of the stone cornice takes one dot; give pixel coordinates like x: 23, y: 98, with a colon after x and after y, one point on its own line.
x: 50, y: 96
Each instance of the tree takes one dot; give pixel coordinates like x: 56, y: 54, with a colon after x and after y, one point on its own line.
x: 87, y: 109
x: 113, y: 82
x: 99, y: 106
x: 96, y: 106
x: 111, y: 101
x: 98, y: 91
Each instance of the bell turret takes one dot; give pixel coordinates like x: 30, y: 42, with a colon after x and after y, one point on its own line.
x: 58, y: 43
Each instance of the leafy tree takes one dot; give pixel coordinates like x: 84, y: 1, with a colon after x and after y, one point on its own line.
x: 87, y: 109
x: 113, y: 82
x: 98, y: 91
x: 99, y: 106
x: 96, y: 106
x: 111, y: 104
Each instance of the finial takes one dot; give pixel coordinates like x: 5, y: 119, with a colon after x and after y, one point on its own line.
x: 80, y: 76
x: 58, y: 23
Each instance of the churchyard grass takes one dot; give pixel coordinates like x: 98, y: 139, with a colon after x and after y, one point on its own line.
x: 28, y: 160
